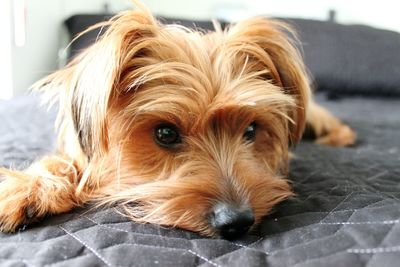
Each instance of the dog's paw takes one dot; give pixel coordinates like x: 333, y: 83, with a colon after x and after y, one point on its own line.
x: 339, y: 136
x: 328, y: 129
x: 15, y: 208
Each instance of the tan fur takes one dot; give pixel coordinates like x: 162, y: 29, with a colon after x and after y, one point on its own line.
x: 328, y: 129
x: 210, y: 86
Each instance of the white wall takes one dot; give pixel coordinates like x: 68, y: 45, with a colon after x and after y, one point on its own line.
x: 381, y: 13
x: 5, y: 51
x: 44, y: 35
x: 38, y: 56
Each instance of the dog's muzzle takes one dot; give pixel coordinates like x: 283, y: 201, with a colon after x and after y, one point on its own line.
x: 231, y: 222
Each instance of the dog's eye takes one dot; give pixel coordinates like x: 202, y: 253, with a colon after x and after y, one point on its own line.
x: 250, y: 132
x: 167, y: 135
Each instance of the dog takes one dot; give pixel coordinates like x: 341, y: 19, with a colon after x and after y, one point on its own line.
x: 176, y: 127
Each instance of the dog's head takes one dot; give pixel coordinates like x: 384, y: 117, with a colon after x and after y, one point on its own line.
x: 185, y: 128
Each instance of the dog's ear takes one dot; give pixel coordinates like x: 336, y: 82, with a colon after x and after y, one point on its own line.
x: 272, y: 44
x: 87, y: 86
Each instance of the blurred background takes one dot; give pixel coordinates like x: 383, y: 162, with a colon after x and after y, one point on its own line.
x: 33, y: 32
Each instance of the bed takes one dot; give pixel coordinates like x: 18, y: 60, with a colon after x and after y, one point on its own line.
x: 346, y: 211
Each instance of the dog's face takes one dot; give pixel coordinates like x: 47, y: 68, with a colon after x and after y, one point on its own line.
x: 187, y: 129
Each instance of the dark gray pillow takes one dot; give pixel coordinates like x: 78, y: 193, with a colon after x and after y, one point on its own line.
x: 351, y: 60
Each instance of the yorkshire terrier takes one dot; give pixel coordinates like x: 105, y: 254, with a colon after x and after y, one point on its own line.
x: 179, y: 127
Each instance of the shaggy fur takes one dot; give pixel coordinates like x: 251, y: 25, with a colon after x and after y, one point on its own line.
x: 210, y: 86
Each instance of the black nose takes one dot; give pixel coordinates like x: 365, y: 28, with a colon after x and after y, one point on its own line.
x: 231, y: 222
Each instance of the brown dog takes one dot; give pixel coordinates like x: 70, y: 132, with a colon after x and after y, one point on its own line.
x: 180, y: 128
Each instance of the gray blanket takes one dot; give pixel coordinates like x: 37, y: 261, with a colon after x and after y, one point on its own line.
x: 346, y: 213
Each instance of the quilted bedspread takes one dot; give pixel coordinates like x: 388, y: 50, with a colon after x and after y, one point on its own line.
x: 346, y: 212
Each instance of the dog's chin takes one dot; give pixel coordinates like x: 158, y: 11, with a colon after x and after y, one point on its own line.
x: 194, y: 202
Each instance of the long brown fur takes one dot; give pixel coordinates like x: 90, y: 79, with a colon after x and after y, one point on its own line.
x: 211, y: 86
